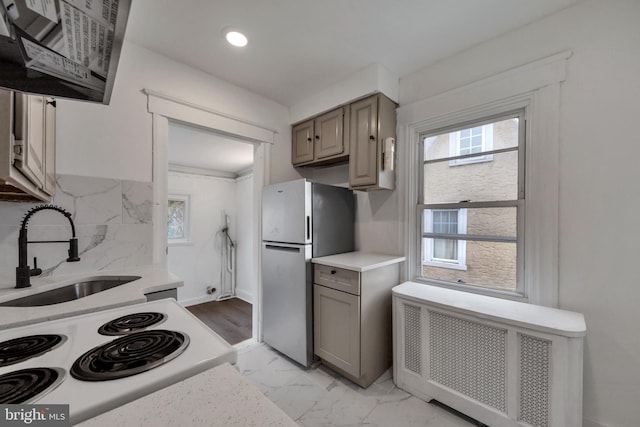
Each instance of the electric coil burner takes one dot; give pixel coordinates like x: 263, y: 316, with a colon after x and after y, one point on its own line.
x: 23, y: 348
x: 28, y: 385
x: 131, y: 322
x: 129, y: 355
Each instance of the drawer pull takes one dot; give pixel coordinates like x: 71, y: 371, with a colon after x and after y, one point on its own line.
x: 333, y: 271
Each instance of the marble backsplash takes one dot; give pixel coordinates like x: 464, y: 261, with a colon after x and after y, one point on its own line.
x: 113, y: 221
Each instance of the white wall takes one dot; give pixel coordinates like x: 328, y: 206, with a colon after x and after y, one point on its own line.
x: 246, y: 219
x: 198, y: 263
x: 114, y: 141
x: 599, y: 202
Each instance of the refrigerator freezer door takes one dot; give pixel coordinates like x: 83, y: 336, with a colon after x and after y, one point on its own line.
x: 286, y: 212
x: 287, y: 300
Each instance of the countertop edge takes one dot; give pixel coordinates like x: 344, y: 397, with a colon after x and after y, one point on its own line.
x: 359, y: 261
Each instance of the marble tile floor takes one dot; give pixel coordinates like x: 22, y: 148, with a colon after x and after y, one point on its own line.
x: 319, y: 397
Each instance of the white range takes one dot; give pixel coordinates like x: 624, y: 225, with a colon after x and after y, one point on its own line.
x: 148, y: 347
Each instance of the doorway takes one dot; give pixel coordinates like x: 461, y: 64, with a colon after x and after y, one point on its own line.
x: 209, y: 226
x: 165, y: 109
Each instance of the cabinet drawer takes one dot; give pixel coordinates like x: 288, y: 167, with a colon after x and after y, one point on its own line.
x: 337, y: 278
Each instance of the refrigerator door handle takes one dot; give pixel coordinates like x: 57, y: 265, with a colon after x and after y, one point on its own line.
x: 282, y: 248
x: 308, y: 227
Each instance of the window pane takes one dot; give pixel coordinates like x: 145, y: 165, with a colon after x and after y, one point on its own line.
x: 445, y: 249
x: 484, y: 181
x: 495, y: 222
x: 504, y: 135
x: 488, y: 265
x: 175, y: 219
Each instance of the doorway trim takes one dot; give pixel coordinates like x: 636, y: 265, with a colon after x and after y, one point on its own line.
x: 164, y: 108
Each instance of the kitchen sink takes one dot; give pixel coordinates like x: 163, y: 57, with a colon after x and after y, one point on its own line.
x: 70, y: 292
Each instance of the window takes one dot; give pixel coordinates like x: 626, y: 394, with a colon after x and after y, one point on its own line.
x: 178, y: 219
x: 471, y: 203
x: 445, y: 253
x: 474, y: 140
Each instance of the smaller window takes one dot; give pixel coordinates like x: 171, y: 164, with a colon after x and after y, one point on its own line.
x: 442, y: 252
x: 470, y: 141
x: 178, y: 219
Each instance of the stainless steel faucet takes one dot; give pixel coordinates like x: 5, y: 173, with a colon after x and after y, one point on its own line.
x: 23, y: 271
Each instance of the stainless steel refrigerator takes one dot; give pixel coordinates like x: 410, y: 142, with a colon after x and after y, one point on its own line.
x: 300, y: 220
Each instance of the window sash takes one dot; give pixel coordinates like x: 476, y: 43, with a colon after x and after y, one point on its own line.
x: 466, y: 156
x: 519, y: 203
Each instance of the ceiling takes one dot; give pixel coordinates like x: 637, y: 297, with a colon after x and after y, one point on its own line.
x: 297, y: 48
x: 208, y: 151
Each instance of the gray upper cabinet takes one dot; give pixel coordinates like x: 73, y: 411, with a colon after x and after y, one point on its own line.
x: 329, y: 138
x: 27, y: 147
x: 302, y: 143
x: 362, y: 133
x: 320, y: 140
x: 372, y: 139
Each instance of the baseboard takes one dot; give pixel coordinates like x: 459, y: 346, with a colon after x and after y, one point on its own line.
x: 590, y: 423
x: 244, y: 296
x: 197, y: 300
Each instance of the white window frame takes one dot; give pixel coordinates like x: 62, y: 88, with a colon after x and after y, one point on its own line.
x: 186, y: 239
x: 428, y: 258
x: 487, y: 144
x: 536, y: 87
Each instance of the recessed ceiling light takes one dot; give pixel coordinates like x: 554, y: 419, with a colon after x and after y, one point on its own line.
x: 236, y: 38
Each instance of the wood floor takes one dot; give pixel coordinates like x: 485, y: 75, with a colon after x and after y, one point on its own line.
x: 231, y: 319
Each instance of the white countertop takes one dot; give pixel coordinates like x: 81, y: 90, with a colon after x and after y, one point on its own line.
x: 154, y: 278
x: 217, y: 397
x: 536, y: 317
x: 358, y: 261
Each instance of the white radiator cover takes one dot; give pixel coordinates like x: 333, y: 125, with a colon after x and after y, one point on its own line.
x: 501, y: 362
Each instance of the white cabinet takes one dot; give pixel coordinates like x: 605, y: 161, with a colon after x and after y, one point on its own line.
x: 27, y: 147
x: 352, y: 315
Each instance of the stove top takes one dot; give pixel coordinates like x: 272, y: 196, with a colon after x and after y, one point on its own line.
x: 148, y: 347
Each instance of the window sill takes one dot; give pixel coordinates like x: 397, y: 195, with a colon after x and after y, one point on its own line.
x: 496, y: 293
x: 180, y: 242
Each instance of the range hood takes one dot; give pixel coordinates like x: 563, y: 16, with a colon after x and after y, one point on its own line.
x: 62, y: 48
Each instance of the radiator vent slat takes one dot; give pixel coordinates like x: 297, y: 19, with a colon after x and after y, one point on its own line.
x: 535, y: 356
x: 469, y: 358
x: 412, y: 339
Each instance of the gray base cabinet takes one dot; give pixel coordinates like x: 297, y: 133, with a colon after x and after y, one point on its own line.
x: 352, y: 320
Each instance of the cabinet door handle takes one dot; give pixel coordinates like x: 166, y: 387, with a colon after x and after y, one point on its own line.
x: 309, y: 139
x: 372, y: 138
x: 317, y: 136
x: 333, y: 271
x: 52, y: 103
